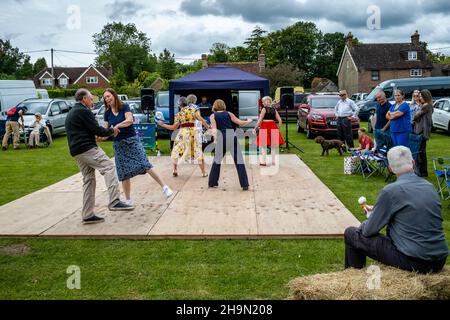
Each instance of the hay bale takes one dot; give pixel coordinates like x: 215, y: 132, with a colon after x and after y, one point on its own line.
x: 353, y: 284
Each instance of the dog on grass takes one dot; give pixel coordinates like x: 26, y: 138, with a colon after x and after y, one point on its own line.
x: 327, y: 145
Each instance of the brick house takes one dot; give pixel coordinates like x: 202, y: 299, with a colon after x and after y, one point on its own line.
x: 257, y: 67
x: 90, y: 77
x: 364, y: 66
x: 441, y: 70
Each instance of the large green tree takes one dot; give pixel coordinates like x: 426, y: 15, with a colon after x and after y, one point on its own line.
x: 329, y: 54
x: 281, y: 75
x: 123, y: 46
x: 254, y: 44
x: 297, y: 45
x: 39, y: 65
x: 25, y: 71
x: 219, y: 52
x: 167, y: 66
x: 10, y: 58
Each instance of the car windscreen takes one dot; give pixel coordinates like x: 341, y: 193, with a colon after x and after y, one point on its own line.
x: 298, y: 98
x: 34, y: 107
x: 324, y: 103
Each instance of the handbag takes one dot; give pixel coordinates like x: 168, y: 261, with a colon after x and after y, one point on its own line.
x: 350, y: 164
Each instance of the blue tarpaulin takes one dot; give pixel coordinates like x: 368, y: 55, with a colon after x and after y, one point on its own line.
x: 219, y: 77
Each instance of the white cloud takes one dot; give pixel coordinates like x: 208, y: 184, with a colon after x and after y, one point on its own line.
x: 177, y: 26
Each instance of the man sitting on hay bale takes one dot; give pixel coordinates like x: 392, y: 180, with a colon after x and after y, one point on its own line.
x: 411, y: 210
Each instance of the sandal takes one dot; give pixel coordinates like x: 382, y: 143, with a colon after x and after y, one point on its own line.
x: 175, y: 174
x: 263, y: 164
x: 204, y: 175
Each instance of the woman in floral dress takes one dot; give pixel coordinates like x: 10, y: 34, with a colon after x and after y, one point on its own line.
x: 187, y: 144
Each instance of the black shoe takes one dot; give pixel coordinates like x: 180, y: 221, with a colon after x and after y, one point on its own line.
x: 245, y: 188
x: 121, y: 206
x: 93, y: 220
x: 211, y: 186
x: 4, y: 148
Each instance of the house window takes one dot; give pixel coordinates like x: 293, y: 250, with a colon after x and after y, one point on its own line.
x: 416, y: 73
x: 412, y: 55
x: 47, y: 82
x: 92, y: 80
x: 63, y: 82
x: 375, y: 75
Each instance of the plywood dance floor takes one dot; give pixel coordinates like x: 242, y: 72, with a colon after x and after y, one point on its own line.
x: 288, y: 202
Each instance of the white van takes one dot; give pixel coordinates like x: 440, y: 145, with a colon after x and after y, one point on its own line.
x: 249, y: 105
x: 12, y: 92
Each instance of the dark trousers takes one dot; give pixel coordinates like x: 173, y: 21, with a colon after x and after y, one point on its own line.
x: 422, y: 162
x: 230, y: 144
x: 380, y: 248
x: 344, y: 131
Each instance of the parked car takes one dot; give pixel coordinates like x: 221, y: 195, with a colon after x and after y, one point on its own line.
x: 359, y: 96
x: 441, y: 114
x: 135, y: 106
x: 162, y: 112
x: 316, y: 116
x: 53, y: 111
x: 438, y: 86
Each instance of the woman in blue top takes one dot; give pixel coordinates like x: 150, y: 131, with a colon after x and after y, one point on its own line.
x: 131, y: 159
x: 400, y: 116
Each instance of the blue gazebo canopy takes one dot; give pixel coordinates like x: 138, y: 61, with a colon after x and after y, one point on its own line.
x: 219, y: 77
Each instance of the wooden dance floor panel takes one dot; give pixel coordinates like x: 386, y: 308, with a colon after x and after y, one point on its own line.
x: 284, y: 202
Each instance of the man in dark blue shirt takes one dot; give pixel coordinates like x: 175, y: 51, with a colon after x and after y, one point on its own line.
x: 411, y: 210
x: 13, y: 127
x: 382, y: 126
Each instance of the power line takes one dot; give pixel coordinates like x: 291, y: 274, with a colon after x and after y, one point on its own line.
x: 439, y: 48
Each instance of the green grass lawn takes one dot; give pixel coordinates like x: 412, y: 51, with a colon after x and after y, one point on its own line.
x: 172, y: 269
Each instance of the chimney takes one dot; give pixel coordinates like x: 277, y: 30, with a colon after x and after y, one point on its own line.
x: 204, y: 61
x: 349, y: 40
x: 262, y: 61
x: 415, y: 39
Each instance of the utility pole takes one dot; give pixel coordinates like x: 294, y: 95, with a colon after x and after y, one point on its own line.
x: 53, y: 71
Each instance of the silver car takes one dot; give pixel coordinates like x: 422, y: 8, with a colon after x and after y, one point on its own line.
x: 54, y: 113
x: 441, y: 114
x: 135, y: 106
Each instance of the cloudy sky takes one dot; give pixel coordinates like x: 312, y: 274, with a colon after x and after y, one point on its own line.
x: 188, y: 28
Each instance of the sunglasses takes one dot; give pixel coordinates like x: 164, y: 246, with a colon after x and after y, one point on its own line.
x: 342, y: 95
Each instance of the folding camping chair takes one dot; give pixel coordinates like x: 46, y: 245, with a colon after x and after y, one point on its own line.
x: 442, y: 172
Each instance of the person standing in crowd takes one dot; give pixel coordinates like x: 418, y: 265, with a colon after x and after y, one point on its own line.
x: 415, y: 106
x: 269, y: 133
x: 82, y: 128
x: 382, y: 125
x: 187, y: 143
x: 37, y: 125
x: 205, y: 104
x: 415, y: 238
x: 345, y: 110
x: 400, y: 117
x: 13, y: 127
x: 423, y: 124
x: 365, y: 142
x: 226, y: 140
x: 129, y: 154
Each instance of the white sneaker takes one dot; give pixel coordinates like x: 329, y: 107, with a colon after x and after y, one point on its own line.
x: 167, y: 191
x: 129, y: 202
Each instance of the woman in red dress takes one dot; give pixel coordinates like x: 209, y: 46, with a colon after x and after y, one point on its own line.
x: 269, y: 133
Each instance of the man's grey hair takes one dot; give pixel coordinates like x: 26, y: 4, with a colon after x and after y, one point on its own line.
x: 182, y: 102
x: 80, y: 94
x: 191, y: 99
x: 400, y: 160
x: 381, y: 93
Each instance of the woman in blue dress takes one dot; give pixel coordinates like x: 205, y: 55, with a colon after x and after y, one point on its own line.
x: 130, y: 157
x: 400, y: 116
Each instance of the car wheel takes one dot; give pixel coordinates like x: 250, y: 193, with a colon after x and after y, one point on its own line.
x: 309, y: 134
x: 448, y: 128
x: 299, y: 127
